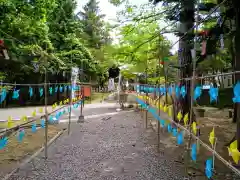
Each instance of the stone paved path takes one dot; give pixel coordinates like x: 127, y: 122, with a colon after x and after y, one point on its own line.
x: 118, y: 148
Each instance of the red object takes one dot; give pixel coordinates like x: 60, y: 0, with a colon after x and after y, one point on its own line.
x: 162, y: 62
x: 1, y: 42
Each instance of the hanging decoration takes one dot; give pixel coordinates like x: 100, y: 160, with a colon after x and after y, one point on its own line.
x: 234, y: 152
x: 41, y: 92
x: 194, y: 128
x: 236, y: 91
x: 3, y: 142
x: 197, y: 92
x: 194, y: 152
x: 15, y: 94
x: 34, y: 127
x: 177, y: 91
x: 183, y: 91
x: 60, y: 89
x: 3, y: 95
x: 213, y: 92
x: 50, y: 90
x: 56, y: 89
x: 162, y: 123
x: 9, y: 122
x: 212, y: 137
x: 169, y: 128
x: 21, y: 134
x: 180, y: 138
x: 42, y: 123
x: 34, y: 113
x: 30, y: 92
x: 208, y: 168
x: 174, y: 131
x: 185, y: 119
x: 179, y: 116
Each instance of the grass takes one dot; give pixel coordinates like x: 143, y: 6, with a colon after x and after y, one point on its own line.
x: 16, y: 151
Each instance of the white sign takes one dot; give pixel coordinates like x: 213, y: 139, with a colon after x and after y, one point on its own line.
x: 75, y: 72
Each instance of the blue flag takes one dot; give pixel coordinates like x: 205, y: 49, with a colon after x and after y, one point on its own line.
x: 3, y: 142
x: 183, y: 91
x: 169, y: 128
x: 177, y: 91
x: 34, y: 127
x: 236, y: 91
x: 61, y: 89
x: 50, y: 90
x: 174, y: 132
x: 197, y: 92
x: 3, y: 95
x: 213, y: 92
x: 208, y: 168
x: 41, y: 92
x: 162, y: 123
x: 180, y: 138
x: 30, y: 91
x: 15, y: 94
x: 56, y: 89
x: 42, y: 123
x: 194, y: 152
x: 21, y: 134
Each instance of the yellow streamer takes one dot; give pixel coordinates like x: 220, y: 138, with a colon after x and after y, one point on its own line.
x: 60, y: 104
x: 24, y: 118
x: 165, y: 108
x: 34, y: 113
x: 194, y: 128
x: 185, y: 119
x: 179, y: 116
x: 10, y: 122
x: 40, y: 110
x: 233, y: 151
x: 212, y: 137
x: 170, y: 112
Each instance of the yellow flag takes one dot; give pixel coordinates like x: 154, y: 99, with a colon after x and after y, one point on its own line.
x: 24, y: 118
x: 179, y: 116
x: 160, y: 106
x: 40, y: 110
x: 9, y: 123
x: 34, y: 113
x: 233, y: 151
x: 165, y: 108
x: 60, y: 104
x: 185, y: 119
x: 194, y: 128
x: 212, y: 137
x: 170, y: 112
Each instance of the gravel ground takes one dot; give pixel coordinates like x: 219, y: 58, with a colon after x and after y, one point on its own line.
x: 118, y: 148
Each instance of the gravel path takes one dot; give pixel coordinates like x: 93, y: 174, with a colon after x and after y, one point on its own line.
x: 118, y: 148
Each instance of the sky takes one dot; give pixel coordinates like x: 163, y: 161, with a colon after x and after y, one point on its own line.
x: 111, y: 13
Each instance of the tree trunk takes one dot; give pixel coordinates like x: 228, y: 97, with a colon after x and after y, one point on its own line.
x: 186, y: 21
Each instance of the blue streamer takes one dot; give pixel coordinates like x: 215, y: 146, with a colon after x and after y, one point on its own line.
x: 42, y: 123
x: 183, y: 91
x: 169, y: 128
x: 69, y: 87
x: 174, y: 132
x: 21, y: 134
x: 213, y: 92
x: 236, y: 91
x: 50, y: 90
x: 177, y: 91
x: 3, y: 142
x: 56, y: 89
x: 208, y: 168
x: 30, y: 91
x: 162, y: 123
x: 194, y: 152
x: 65, y: 88
x: 180, y: 138
x: 41, y: 92
x: 50, y: 118
x: 170, y: 90
x: 197, y: 92
x: 34, y: 127
x: 61, y: 89
x: 3, y: 95
x: 15, y: 94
